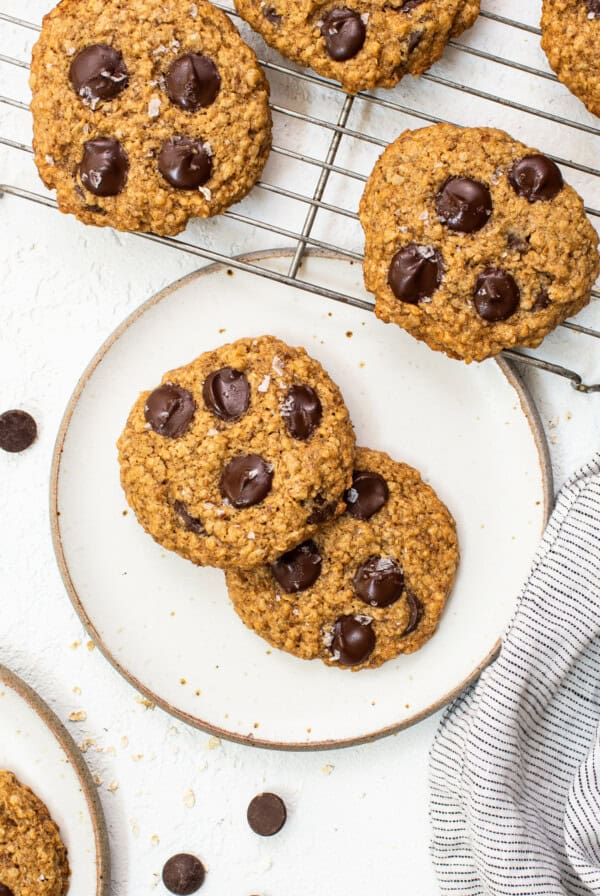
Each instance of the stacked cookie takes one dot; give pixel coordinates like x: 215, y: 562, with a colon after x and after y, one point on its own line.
x: 245, y: 459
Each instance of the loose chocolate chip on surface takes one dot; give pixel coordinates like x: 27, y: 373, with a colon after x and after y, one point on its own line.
x: 272, y: 15
x: 104, y: 166
x: 542, y: 301
x: 192, y: 523
x: 464, y: 204
x: 344, y: 33
x: 185, y: 163
x: 183, y: 874
x: 415, y: 273
x: 246, y: 480
x: 379, y: 582
x: 226, y: 393
x: 302, y: 411
x: 367, y: 494
x: 536, y: 178
x: 193, y: 82
x: 353, y: 640
x: 169, y: 410
x: 18, y: 431
x: 298, y: 569
x: 496, y: 295
x: 267, y: 814
x: 98, y: 72
x: 415, y: 609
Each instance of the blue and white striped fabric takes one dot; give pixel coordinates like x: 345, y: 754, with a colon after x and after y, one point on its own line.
x: 515, y: 768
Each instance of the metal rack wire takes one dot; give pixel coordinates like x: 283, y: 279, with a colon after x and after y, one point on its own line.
x: 303, y: 238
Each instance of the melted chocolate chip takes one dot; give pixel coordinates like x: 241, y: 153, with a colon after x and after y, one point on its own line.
x: 272, y: 16
x: 185, y: 163
x: 18, y: 431
x: 226, y: 393
x: 98, y: 73
x: 353, y: 640
x: 246, y: 480
x: 192, y: 523
x: 193, y: 82
x: 183, y: 874
x: 299, y: 568
x: 368, y: 493
x: 415, y: 39
x: 267, y: 814
x: 409, y: 5
x: 302, y: 411
x: 415, y: 273
x: 536, y: 178
x: 379, y: 582
x: 593, y: 8
x: 321, y: 511
x: 4, y: 891
x: 542, y: 301
x: 104, y: 166
x: 464, y: 204
x: 415, y: 613
x: 169, y: 410
x: 496, y: 295
x: 344, y: 33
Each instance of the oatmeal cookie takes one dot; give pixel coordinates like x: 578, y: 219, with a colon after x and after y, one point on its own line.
x: 571, y: 41
x: 239, y: 455
x: 33, y: 858
x: 147, y: 112
x: 371, y: 43
x: 474, y: 243
x: 367, y: 586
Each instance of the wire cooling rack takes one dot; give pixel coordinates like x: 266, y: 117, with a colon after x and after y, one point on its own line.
x: 321, y: 213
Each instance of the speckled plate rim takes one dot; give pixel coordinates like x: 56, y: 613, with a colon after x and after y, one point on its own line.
x: 529, y: 410
x: 55, y: 726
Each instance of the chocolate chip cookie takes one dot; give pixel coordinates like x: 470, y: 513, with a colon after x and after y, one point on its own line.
x: 33, y: 858
x: 239, y: 455
x: 372, y: 43
x: 367, y: 586
x: 571, y: 41
x: 474, y: 243
x: 147, y: 112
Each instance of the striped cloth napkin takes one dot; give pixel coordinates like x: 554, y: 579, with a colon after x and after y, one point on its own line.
x: 515, y: 767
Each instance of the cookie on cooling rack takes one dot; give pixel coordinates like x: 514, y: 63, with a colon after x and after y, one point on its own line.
x: 571, y: 41
x: 147, y: 112
x: 239, y: 455
x: 371, y: 43
x: 33, y: 858
x: 474, y: 243
x: 369, y: 585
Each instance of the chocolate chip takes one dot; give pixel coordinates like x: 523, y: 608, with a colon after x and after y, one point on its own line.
x: 299, y: 568
x: 379, y: 581
x: 193, y: 82
x: 272, y: 16
x: 183, y: 874
x: 321, y: 510
x: 415, y: 37
x: 464, y: 204
x: 184, y: 163
x: 518, y: 243
x: 266, y: 814
x: 246, y: 480
x: 496, y: 295
x: 104, y: 166
x: 302, y: 411
x: 4, y: 891
x: 98, y: 72
x: 415, y: 613
x: 344, y: 33
x: 409, y: 5
x: 353, y: 640
x: 169, y: 410
x: 415, y: 273
x: 192, y: 523
x: 18, y: 431
x: 536, y: 178
x: 226, y: 393
x: 367, y: 494
x: 542, y: 301
x: 593, y: 8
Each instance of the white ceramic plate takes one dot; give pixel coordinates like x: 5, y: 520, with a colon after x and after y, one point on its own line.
x: 168, y: 625
x: 35, y: 746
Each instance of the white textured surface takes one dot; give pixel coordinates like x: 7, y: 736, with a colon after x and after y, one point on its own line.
x: 364, y: 825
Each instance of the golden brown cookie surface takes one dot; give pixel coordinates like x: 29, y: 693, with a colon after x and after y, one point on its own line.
x: 369, y: 585
x: 361, y: 45
x: 33, y: 859
x: 474, y: 243
x: 239, y: 455
x: 571, y: 41
x: 147, y: 112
